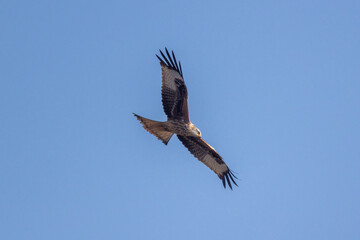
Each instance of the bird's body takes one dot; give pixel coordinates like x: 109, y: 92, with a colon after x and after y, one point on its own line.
x: 181, y: 128
x: 175, y: 102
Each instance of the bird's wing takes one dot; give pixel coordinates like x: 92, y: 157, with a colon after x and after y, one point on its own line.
x: 207, y: 155
x: 173, y: 89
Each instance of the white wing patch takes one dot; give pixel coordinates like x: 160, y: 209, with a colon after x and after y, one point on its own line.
x: 209, y: 161
x: 169, y: 76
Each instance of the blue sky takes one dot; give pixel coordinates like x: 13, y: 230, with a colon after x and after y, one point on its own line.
x: 273, y: 86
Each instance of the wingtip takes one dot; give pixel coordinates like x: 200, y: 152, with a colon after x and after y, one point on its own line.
x: 228, y: 178
x: 228, y: 181
x: 169, y: 61
x: 231, y: 175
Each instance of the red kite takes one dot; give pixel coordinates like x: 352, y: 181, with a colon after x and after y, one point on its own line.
x: 175, y: 103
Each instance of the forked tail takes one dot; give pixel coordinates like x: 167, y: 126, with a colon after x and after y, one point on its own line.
x: 156, y: 128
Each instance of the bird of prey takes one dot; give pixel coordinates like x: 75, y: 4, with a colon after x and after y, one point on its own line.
x: 175, y: 103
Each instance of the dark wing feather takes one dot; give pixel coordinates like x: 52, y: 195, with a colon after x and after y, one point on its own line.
x: 207, y: 155
x: 173, y: 89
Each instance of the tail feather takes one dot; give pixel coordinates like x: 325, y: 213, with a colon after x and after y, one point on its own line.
x: 156, y: 128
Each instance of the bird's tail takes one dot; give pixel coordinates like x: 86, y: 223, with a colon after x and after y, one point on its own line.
x: 158, y: 129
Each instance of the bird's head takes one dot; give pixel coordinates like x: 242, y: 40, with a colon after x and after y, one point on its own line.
x: 195, y: 130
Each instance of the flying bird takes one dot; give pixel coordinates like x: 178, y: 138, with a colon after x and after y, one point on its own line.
x: 175, y: 103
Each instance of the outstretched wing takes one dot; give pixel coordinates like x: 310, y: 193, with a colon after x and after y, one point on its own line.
x: 207, y: 155
x: 173, y: 89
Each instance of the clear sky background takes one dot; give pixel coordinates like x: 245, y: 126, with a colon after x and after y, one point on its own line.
x: 274, y: 86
